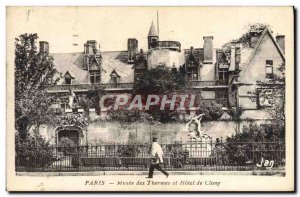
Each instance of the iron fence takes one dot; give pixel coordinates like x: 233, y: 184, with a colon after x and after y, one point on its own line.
x: 189, y: 156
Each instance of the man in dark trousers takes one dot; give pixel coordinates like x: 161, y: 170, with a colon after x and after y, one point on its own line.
x: 157, y: 158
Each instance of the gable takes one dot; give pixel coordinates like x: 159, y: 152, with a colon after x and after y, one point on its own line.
x: 69, y: 75
x: 265, y: 33
x: 114, y: 74
x: 94, y: 65
x: 266, y: 49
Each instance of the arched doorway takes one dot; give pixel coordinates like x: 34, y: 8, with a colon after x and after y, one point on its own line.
x: 69, y: 136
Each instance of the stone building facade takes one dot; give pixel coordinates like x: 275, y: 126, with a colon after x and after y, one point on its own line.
x: 223, y: 75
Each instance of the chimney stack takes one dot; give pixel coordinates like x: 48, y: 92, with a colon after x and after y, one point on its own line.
x: 208, y: 49
x: 88, y: 49
x: 132, y: 49
x: 280, y: 39
x: 93, y: 44
x: 232, y: 57
x: 44, y: 47
x: 254, y: 36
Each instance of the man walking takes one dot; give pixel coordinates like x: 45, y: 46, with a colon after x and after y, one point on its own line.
x: 157, y: 159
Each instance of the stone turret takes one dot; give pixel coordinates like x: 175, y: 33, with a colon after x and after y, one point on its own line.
x: 152, y: 35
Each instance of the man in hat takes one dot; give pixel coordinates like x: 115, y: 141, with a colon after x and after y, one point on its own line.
x: 157, y: 158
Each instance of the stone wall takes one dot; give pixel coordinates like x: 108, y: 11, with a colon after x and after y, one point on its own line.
x: 116, y: 132
x: 166, y: 133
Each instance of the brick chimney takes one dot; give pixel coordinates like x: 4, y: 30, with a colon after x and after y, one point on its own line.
x: 88, y: 49
x: 93, y: 44
x: 44, y: 47
x: 208, y: 49
x: 132, y: 48
x: 237, y: 57
x: 232, y: 57
x: 254, y: 36
x: 280, y: 39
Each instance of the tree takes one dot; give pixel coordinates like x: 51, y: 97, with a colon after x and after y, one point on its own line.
x: 34, y: 73
x: 235, y: 114
x: 162, y: 80
x: 27, y: 153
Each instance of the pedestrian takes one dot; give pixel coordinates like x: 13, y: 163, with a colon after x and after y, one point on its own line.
x: 157, y: 159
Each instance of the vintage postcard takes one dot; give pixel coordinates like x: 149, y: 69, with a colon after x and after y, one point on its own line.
x: 150, y: 99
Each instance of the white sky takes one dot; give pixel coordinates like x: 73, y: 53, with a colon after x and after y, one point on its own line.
x: 112, y: 26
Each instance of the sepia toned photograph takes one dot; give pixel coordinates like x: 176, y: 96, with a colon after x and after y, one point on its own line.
x: 150, y: 99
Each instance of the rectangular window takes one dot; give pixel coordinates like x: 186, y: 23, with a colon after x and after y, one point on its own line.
x: 223, y: 74
x: 269, y: 69
x: 222, y: 97
x: 269, y: 72
x: 192, y: 73
x: 68, y: 81
x: 95, y: 77
x: 115, y: 79
x: 269, y: 62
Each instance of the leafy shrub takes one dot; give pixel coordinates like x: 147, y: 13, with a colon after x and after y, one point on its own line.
x: 69, y: 148
x: 130, y: 150
x: 235, y: 113
x: 239, y: 147
x: 211, y: 109
x: 176, y: 152
x: 33, y: 151
x: 66, y: 145
x: 219, y: 152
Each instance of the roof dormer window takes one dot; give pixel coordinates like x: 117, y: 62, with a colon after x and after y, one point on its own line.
x: 114, y: 77
x: 68, y: 78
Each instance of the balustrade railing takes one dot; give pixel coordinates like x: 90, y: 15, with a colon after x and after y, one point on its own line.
x: 167, y: 45
x: 86, y: 87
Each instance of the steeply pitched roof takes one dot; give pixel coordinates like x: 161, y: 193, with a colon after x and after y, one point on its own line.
x: 153, y: 30
x: 266, y: 31
x: 117, y: 60
x: 112, y: 60
x: 72, y: 63
x: 250, y: 52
